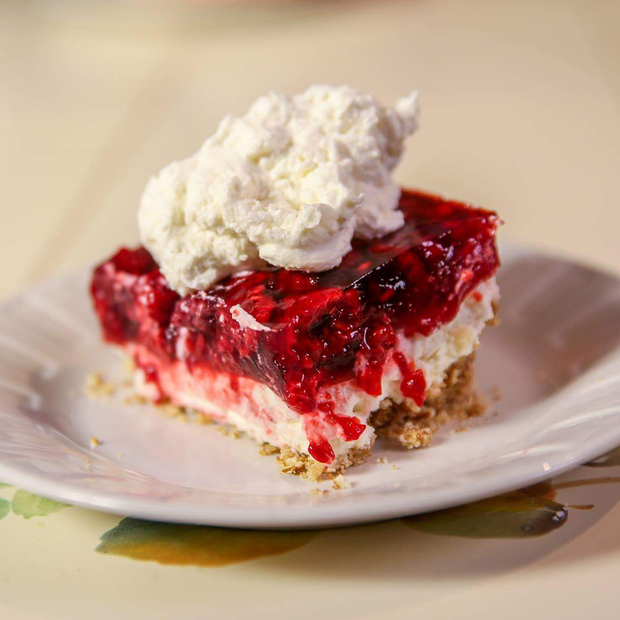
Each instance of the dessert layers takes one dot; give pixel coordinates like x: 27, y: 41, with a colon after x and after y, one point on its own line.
x: 309, y: 361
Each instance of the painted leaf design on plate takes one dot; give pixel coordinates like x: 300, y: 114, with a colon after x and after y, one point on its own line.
x: 29, y: 505
x: 525, y: 513
x: 196, y: 545
x: 5, y: 508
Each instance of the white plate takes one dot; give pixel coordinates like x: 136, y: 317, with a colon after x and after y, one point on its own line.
x: 555, y: 359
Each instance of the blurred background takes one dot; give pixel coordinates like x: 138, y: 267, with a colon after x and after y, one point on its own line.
x: 520, y: 107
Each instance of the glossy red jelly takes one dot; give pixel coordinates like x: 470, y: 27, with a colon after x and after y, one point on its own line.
x: 325, y: 328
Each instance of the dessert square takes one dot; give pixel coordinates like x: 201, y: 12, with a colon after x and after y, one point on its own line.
x: 318, y: 364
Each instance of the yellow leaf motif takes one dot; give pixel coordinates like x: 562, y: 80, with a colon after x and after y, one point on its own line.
x: 196, y: 545
x: 521, y: 514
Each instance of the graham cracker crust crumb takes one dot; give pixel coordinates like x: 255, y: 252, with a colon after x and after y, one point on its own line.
x: 268, y: 450
x: 202, y: 419
x: 292, y: 462
x: 315, y: 491
x: 228, y: 431
x: 315, y: 471
x: 136, y: 399
x: 97, y: 387
x: 173, y: 411
x: 461, y: 429
x: 94, y: 442
x: 495, y: 320
x: 382, y: 460
x: 340, y: 482
x: 187, y: 415
x: 413, y: 426
x: 411, y: 437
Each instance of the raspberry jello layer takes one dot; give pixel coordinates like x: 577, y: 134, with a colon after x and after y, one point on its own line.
x: 318, y: 364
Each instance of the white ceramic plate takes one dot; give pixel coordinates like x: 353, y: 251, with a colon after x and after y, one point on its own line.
x: 555, y: 360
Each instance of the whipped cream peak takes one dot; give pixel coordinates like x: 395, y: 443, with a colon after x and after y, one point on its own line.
x: 289, y: 184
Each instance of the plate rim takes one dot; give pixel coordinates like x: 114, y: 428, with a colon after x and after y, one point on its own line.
x: 331, y: 515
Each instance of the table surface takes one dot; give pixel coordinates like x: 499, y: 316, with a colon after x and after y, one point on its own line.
x: 520, y: 113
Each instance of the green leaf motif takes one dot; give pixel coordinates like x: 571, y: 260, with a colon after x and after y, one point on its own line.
x: 28, y: 505
x: 4, y: 484
x: 196, y: 545
x: 521, y: 514
x: 5, y: 508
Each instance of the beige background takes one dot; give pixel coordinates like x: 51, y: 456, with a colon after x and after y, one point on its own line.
x: 521, y: 113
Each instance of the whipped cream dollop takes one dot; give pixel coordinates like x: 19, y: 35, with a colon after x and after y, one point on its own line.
x: 289, y: 184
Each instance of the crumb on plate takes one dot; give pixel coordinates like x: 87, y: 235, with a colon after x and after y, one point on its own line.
x: 136, y: 399
x: 315, y: 491
x: 340, y: 482
x: 268, y: 450
x: 97, y: 387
